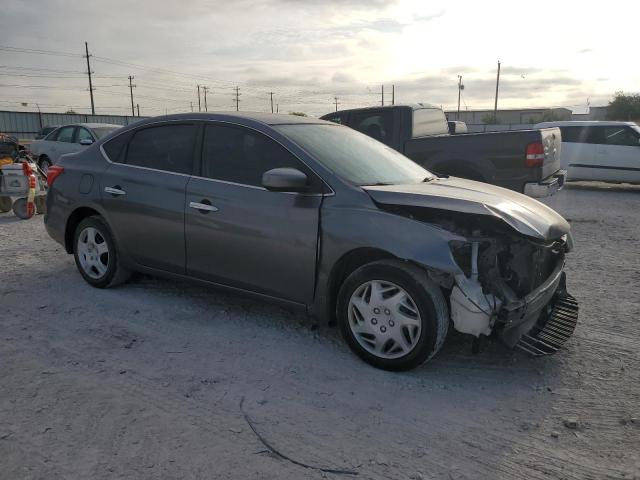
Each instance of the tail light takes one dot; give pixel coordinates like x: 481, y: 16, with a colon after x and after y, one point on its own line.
x: 535, y: 155
x: 54, y: 172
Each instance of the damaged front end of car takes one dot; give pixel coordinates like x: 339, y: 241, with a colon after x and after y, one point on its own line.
x: 515, y: 287
x: 511, y: 282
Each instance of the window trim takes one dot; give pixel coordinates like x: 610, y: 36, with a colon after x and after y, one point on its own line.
x: 201, y: 123
x: 133, y: 132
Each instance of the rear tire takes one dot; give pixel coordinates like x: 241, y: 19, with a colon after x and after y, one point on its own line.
x: 392, y: 315
x: 96, y: 254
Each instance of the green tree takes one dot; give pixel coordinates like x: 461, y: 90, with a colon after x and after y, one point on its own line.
x: 624, y: 107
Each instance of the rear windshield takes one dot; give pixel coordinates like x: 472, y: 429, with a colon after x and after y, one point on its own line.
x: 429, y: 121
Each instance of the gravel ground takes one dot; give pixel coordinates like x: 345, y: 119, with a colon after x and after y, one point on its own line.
x: 158, y: 379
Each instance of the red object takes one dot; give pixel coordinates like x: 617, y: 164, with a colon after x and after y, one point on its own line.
x: 31, y: 209
x: 26, y: 169
x: 54, y: 172
x: 535, y: 155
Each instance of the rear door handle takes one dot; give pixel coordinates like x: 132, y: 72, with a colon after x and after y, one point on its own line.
x: 203, y: 207
x: 114, y: 191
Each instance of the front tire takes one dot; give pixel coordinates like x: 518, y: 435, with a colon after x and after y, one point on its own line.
x: 96, y: 255
x: 392, y: 315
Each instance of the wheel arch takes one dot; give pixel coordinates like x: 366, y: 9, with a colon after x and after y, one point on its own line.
x: 73, y: 221
x: 344, y: 266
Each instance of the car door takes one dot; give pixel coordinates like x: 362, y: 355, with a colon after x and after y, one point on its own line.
x: 143, y: 192
x: 618, y: 154
x: 249, y: 237
x: 62, y: 144
x: 578, y: 153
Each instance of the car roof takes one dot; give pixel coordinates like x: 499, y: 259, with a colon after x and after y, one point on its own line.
x: 413, y: 106
x: 260, y: 117
x: 582, y: 123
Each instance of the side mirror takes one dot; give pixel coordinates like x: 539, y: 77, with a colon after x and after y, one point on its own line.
x: 86, y: 141
x: 284, y: 180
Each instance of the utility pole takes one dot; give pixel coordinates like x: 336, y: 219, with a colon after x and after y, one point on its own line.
x: 191, y: 103
x: 199, y: 109
x: 393, y: 94
x: 138, y: 108
x: 460, y: 87
x: 131, y: 85
x: 383, y: 95
x: 205, y: 90
x: 271, y: 94
x: 86, y: 49
x: 237, y: 95
x: 277, y: 108
x: 335, y: 99
x: 495, y: 107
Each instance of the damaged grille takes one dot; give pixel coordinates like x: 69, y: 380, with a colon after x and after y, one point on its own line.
x: 553, y: 329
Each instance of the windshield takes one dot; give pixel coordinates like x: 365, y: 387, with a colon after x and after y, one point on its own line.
x: 353, y: 156
x: 103, y: 131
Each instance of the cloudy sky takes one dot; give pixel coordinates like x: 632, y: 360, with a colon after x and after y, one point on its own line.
x: 553, y: 53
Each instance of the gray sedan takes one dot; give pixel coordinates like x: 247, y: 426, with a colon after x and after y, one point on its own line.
x: 67, y: 139
x: 320, y: 217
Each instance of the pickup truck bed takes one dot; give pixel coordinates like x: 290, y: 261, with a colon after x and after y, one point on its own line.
x: 527, y: 161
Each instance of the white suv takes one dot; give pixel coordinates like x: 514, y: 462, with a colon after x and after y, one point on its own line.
x: 605, y: 151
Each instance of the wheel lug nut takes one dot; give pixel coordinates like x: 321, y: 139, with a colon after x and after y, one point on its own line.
x: 387, y: 311
x: 374, y: 321
x: 376, y: 310
x: 391, y: 323
x: 383, y: 329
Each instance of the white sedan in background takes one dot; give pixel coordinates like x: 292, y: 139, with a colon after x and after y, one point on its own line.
x: 67, y: 139
x: 599, y: 150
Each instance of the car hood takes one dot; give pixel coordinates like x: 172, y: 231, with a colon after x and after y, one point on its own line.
x: 522, y: 213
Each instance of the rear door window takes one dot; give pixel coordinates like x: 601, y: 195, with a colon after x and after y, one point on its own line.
x: 622, y: 136
x: 377, y: 124
x: 574, y: 134
x: 165, y: 147
x: 65, y: 134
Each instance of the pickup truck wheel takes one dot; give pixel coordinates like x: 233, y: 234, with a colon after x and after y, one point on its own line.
x: 5, y: 204
x: 96, y: 255
x: 392, y: 315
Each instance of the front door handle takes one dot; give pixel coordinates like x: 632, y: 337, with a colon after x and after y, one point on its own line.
x: 203, y: 207
x: 116, y: 191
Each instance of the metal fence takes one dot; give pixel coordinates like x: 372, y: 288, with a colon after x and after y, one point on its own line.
x: 26, y: 125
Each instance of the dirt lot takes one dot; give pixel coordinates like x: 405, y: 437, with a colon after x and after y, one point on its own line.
x: 157, y: 379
